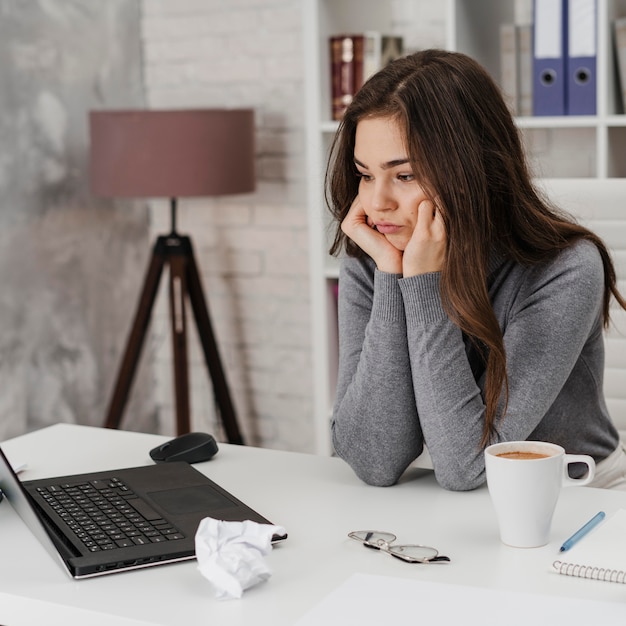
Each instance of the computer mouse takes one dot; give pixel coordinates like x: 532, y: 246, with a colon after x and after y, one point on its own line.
x: 190, y: 447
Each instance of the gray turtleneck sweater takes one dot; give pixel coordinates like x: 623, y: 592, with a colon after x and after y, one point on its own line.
x: 409, y: 377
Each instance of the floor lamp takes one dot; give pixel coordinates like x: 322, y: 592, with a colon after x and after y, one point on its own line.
x: 173, y: 154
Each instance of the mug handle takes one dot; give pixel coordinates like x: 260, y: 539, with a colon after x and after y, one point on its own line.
x: 568, y: 481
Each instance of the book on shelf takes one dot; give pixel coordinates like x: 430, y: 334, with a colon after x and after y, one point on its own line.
x: 353, y: 59
x: 581, y: 58
x: 601, y: 555
x: 619, y: 32
x: 516, y: 67
x: 525, y: 47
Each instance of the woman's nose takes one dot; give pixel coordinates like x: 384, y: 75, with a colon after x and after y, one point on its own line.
x: 382, y: 198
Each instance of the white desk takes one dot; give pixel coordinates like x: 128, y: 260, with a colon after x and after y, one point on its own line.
x: 317, y: 499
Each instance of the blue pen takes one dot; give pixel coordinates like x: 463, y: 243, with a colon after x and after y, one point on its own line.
x: 579, y: 534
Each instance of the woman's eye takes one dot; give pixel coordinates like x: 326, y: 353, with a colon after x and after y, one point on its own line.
x: 363, y: 176
x: 406, y: 178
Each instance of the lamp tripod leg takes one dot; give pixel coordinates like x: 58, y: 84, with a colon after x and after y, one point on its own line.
x: 211, y: 352
x: 178, y: 290
x: 136, y: 338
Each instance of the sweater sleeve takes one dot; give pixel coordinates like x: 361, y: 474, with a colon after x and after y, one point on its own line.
x: 549, y: 314
x: 375, y: 425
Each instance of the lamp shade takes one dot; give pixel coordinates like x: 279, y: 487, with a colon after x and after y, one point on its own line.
x: 171, y: 153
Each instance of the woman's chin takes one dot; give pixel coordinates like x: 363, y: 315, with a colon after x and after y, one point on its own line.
x: 399, y: 243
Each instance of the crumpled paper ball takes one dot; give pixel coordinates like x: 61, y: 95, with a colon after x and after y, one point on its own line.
x: 230, y: 554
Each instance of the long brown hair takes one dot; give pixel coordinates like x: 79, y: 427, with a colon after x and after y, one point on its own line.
x: 466, y: 151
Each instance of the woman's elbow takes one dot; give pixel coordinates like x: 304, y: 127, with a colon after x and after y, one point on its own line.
x: 459, y: 480
x: 379, y: 462
x: 377, y: 476
x: 374, y: 470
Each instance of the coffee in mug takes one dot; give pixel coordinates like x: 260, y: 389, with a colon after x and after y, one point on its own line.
x: 520, y: 454
x: 524, y: 479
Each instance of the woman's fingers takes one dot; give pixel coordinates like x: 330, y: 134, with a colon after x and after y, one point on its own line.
x: 426, y: 249
x: 359, y: 228
x: 429, y: 224
x: 354, y: 219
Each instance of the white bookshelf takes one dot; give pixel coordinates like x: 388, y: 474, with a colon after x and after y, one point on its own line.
x: 602, y: 137
x: 586, y: 147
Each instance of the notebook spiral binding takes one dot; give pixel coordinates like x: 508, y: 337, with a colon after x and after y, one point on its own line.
x: 592, y: 573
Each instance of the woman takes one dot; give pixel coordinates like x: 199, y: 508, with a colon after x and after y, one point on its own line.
x: 470, y: 310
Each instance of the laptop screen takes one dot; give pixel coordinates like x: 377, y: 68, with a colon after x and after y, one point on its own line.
x: 20, y: 500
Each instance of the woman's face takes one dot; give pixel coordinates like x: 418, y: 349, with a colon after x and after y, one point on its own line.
x: 388, y: 191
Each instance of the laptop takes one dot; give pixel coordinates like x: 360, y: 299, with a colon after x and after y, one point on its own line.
x: 106, y: 522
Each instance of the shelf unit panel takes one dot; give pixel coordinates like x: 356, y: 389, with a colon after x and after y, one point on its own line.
x: 562, y: 152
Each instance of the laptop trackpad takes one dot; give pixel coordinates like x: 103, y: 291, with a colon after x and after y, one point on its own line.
x: 181, y: 501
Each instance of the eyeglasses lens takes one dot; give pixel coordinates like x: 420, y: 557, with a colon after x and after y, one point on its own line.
x: 373, y: 539
x: 413, y: 554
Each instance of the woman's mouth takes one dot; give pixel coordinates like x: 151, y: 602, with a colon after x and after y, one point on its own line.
x: 386, y: 228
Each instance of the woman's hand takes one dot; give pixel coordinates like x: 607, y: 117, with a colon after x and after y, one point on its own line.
x: 426, y: 249
x: 356, y: 226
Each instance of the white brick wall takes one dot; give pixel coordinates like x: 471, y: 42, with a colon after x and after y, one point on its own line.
x: 251, y: 249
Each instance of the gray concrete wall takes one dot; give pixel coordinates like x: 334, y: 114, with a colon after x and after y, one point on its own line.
x: 71, y: 265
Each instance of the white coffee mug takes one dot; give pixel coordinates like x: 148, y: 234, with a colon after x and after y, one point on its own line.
x: 524, y: 486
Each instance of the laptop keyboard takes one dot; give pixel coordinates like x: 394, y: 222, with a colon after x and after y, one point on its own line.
x: 106, y: 514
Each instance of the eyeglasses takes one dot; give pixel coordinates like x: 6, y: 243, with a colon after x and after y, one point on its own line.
x: 409, y: 553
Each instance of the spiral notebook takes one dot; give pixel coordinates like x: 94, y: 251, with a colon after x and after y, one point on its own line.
x: 601, y: 555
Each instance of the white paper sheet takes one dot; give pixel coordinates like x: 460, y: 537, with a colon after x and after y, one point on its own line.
x: 365, y: 600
